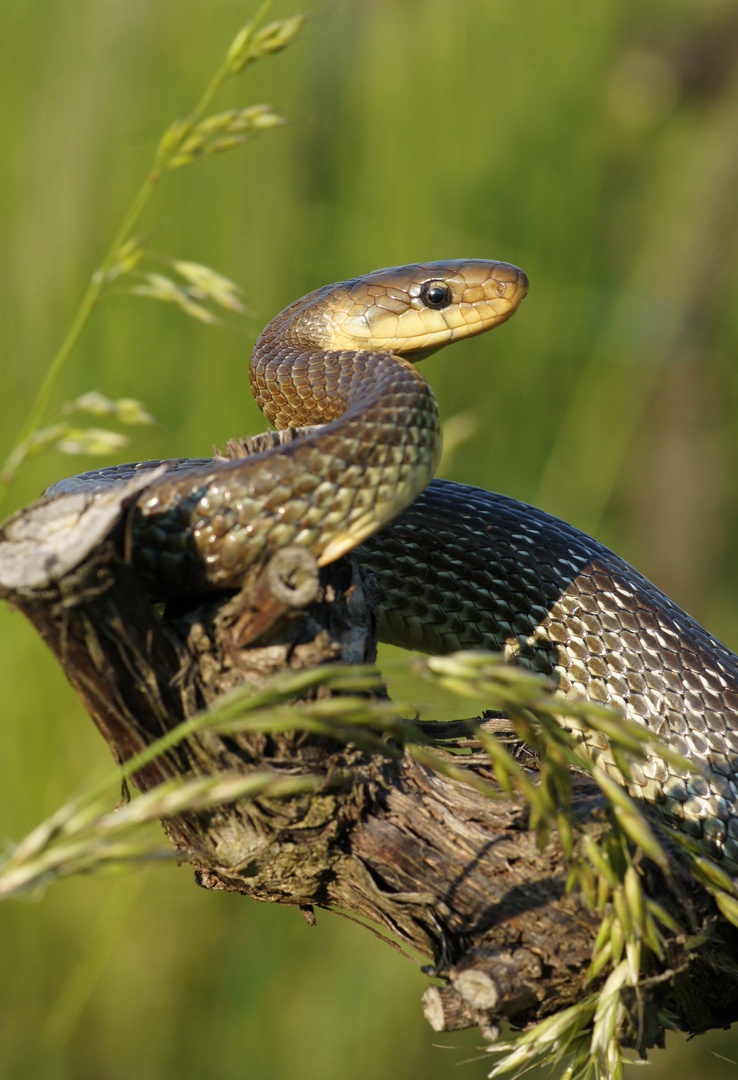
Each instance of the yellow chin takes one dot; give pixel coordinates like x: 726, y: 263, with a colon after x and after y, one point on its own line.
x: 418, y: 330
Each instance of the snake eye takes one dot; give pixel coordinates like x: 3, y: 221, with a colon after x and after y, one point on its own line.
x: 435, y: 294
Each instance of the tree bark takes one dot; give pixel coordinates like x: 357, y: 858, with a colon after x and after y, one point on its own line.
x: 451, y: 874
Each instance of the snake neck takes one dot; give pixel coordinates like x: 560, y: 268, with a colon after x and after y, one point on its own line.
x: 296, y: 385
x: 376, y: 449
x: 378, y: 420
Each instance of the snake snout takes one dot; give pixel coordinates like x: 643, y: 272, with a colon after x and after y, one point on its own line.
x: 512, y: 281
x: 490, y: 280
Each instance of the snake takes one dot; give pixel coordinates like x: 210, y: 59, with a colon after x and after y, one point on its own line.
x: 456, y: 567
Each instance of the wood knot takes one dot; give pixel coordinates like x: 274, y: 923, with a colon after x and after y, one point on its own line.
x: 292, y: 576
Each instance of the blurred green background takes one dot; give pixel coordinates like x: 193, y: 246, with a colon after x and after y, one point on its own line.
x: 595, y: 145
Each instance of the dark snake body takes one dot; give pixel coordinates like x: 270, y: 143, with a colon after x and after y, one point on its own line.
x: 461, y: 568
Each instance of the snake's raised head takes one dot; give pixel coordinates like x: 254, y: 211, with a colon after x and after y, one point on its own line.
x: 414, y: 310
x: 309, y: 361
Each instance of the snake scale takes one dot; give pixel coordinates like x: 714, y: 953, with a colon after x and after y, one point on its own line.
x: 457, y: 567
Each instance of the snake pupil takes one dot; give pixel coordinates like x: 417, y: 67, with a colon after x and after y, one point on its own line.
x: 435, y: 294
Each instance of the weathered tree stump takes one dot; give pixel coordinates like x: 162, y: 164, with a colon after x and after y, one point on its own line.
x: 451, y: 874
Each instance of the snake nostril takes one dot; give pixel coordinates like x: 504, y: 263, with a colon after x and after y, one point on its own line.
x: 500, y: 288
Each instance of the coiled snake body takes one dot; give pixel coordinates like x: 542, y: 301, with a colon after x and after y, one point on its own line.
x: 460, y: 567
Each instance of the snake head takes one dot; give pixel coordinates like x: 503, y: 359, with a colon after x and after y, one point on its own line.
x: 413, y: 310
